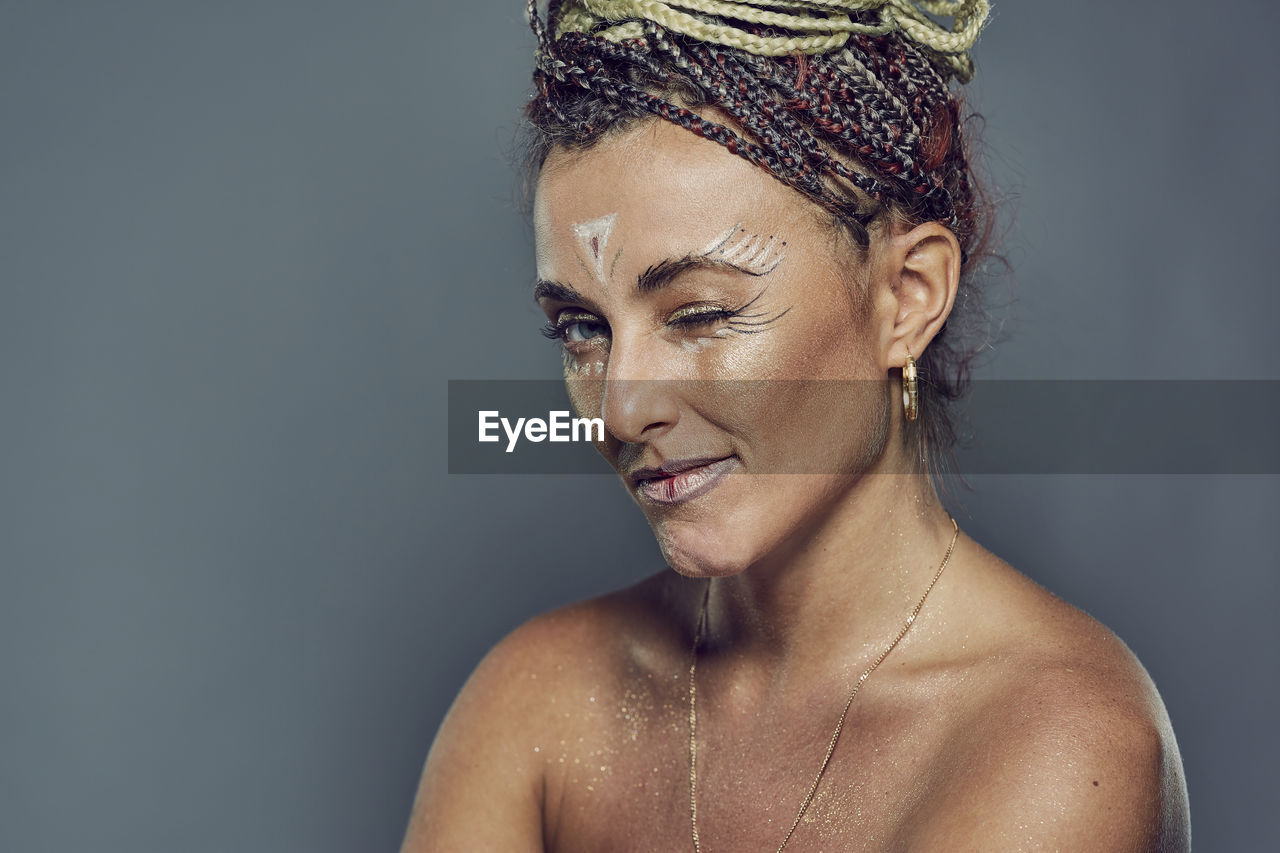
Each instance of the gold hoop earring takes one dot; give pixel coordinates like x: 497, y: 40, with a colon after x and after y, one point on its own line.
x: 910, y: 391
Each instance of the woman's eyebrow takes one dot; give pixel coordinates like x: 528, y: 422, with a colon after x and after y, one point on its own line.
x: 544, y: 289
x: 761, y: 259
x: 736, y: 249
x: 661, y: 274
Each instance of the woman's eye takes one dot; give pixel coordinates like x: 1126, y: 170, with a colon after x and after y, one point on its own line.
x: 577, y: 331
x: 697, y: 319
x: 575, y: 328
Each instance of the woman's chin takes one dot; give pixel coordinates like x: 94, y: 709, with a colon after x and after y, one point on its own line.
x: 696, y: 552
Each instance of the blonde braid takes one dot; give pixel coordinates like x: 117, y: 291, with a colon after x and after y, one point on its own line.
x: 819, y: 26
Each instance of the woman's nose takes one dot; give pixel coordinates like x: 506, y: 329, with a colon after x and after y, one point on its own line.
x: 640, y: 403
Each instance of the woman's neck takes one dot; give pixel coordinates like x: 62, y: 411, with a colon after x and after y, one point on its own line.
x: 839, y: 591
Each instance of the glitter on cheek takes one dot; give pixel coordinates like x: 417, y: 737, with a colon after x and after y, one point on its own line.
x: 582, y: 368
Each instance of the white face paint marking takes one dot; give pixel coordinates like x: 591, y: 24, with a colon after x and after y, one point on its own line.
x: 763, y: 256
x: 585, y: 368
x: 720, y: 241
x: 593, y: 236
x: 733, y: 251
x: 699, y: 344
x: 752, y: 252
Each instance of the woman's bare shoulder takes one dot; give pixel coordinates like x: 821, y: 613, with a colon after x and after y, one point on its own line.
x: 1066, y: 735
x: 596, y: 639
x: 568, y: 655
x: 1053, y: 655
x: 484, y: 782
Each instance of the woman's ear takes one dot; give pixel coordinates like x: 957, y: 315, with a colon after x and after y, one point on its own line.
x: 923, y: 267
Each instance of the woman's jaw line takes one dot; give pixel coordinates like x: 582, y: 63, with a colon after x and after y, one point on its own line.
x: 839, y: 579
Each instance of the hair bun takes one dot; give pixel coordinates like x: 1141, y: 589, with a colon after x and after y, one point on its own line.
x: 808, y: 26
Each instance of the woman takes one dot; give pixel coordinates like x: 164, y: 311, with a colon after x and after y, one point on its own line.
x: 755, y: 232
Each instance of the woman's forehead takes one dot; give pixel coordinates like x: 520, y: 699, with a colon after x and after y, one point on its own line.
x: 656, y: 177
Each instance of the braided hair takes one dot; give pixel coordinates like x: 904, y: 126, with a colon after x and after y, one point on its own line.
x: 846, y: 101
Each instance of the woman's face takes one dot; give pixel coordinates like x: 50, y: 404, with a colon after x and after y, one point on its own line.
x: 703, y: 308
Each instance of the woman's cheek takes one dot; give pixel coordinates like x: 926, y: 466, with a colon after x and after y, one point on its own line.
x: 729, y: 355
x: 585, y: 367
x: 583, y: 381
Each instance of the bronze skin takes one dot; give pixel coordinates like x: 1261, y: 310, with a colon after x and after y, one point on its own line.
x: 1007, y: 720
x: 731, y: 300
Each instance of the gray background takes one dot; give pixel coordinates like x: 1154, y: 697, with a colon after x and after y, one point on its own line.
x: 244, y: 246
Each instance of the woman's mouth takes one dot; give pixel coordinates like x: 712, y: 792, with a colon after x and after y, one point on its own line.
x: 681, y: 479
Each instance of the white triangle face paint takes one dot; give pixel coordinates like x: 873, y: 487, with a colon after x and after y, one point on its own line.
x: 593, y: 237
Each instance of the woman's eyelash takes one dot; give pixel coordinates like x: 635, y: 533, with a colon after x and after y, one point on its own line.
x: 694, y: 319
x: 556, y: 329
x: 749, y: 324
x: 739, y: 319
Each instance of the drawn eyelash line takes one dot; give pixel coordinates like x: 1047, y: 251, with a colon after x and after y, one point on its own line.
x: 740, y: 324
x: 750, y: 324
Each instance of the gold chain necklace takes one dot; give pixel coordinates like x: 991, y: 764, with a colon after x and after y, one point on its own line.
x: 831, y: 746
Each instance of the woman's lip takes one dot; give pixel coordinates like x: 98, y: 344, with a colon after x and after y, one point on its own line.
x: 673, y: 466
x: 686, y: 484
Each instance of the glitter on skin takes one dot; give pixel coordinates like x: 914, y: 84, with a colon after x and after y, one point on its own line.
x: 582, y: 368
x: 913, y: 723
